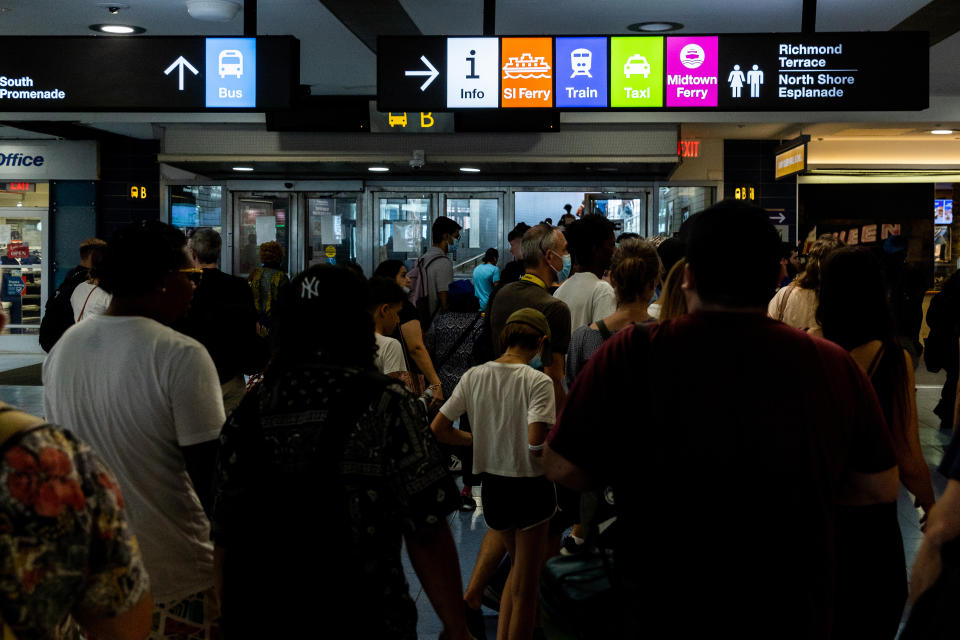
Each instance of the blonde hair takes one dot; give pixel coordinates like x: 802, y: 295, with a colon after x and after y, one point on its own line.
x: 673, y: 303
x: 821, y: 249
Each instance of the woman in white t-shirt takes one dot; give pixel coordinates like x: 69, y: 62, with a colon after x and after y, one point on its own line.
x: 88, y: 299
x: 511, y: 407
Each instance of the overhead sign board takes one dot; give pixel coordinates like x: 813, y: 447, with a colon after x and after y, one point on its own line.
x: 410, y: 121
x: 886, y: 71
x: 791, y: 161
x: 147, y: 73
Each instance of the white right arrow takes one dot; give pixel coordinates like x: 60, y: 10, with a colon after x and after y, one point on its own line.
x: 779, y: 217
x: 181, y: 62
x: 433, y: 73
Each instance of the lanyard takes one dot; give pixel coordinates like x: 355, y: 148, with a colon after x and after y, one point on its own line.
x: 529, y: 277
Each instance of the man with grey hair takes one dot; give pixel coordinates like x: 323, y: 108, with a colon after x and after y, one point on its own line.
x: 222, y: 317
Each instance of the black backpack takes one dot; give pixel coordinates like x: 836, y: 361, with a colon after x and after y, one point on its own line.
x: 58, y: 314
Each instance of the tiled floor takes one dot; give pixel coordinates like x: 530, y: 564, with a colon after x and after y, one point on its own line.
x: 469, y: 528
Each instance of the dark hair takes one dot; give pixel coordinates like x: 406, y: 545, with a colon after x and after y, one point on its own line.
x: 139, y: 256
x: 734, y: 253
x: 634, y: 269
x: 518, y: 231
x: 517, y: 334
x: 491, y: 255
x: 443, y: 225
x: 585, y: 237
x: 819, y: 252
x: 206, y: 243
x: 671, y: 250
x: 626, y: 236
x: 383, y: 291
x: 388, y: 269
x: 305, y: 328
x: 568, y: 207
x: 271, y: 254
x: 353, y: 266
x: 853, y: 311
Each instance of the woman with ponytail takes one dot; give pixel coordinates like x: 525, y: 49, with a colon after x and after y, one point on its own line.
x: 635, y: 272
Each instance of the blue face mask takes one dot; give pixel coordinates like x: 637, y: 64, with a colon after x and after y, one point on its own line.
x: 565, y: 270
x: 536, y: 362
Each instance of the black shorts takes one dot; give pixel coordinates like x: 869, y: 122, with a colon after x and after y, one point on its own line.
x: 517, y: 503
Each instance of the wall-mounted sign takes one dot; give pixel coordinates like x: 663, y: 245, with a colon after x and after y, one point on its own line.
x: 737, y: 72
x: 790, y: 161
x: 138, y: 192
x: 688, y: 148
x: 147, y: 73
x: 42, y: 160
x: 745, y: 192
x: 943, y: 211
x: 21, y: 187
x: 410, y: 121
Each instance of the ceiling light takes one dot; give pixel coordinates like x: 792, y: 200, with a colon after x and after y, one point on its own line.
x: 469, y: 170
x: 243, y: 168
x: 378, y: 169
x: 213, y: 10
x: 942, y: 132
x: 122, y: 29
x: 655, y: 27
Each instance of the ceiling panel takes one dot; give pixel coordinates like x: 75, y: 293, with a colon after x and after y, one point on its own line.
x: 863, y: 15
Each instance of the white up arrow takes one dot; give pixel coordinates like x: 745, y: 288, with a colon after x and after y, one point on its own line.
x: 433, y: 73
x: 180, y: 62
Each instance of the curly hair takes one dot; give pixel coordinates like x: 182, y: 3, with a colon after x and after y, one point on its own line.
x: 271, y: 253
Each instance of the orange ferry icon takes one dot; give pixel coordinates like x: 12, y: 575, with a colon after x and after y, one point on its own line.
x: 526, y: 66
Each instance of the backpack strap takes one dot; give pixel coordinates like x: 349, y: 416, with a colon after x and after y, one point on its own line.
x: 782, y: 307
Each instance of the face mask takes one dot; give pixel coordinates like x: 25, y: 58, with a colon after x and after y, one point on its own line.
x: 536, y: 362
x: 565, y: 270
x: 406, y: 289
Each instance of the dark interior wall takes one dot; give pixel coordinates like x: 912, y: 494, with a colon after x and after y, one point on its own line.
x: 125, y: 162
x: 73, y: 218
x: 749, y: 163
x: 835, y: 207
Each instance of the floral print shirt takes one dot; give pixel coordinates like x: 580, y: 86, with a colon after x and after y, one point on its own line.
x: 321, y: 471
x: 64, y: 542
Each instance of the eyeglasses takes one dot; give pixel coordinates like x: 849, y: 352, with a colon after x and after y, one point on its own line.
x: 195, y: 274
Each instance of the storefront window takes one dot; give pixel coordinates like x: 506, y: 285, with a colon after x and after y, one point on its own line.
x: 333, y: 230
x: 946, y: 235
x: 194, y: 206
x: 21, y: 253
x: 677, y: 204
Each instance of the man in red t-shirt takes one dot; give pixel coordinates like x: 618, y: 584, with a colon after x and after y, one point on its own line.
x: 725, y: 486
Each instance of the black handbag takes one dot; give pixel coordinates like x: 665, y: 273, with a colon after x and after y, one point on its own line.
x: 934, y: 616
x: 578, y: 597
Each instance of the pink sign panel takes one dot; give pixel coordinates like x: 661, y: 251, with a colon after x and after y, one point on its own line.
x: 692, y: 72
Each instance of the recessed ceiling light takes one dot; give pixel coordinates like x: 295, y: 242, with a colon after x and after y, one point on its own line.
x: 942, y: 132
x: 469, y: 170
x: 655, y: 27
x: 378, y: 169
x: 123, y: 29
x: 243, y: 168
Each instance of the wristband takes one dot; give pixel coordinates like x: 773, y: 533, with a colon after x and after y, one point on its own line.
x: 535, y: 447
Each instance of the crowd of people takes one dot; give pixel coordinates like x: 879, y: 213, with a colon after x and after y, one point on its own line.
x: 234, y: 458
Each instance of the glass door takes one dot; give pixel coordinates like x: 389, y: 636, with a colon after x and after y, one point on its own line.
x: 404, y: 225
x: 481, y: 216
x: 331, y: 228
x: 24, y: 273
x: 628, y: 211
x: 260, y: 218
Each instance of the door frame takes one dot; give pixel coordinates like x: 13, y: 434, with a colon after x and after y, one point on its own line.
x: 30, y: 342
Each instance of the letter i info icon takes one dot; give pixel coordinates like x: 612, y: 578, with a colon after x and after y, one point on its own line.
x: 473, y: 72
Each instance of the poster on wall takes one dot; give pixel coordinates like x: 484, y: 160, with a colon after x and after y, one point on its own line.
x: 406, y: 238
x: 266, y: 229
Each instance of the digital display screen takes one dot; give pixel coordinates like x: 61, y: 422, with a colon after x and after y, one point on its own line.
x: 943, y: 211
